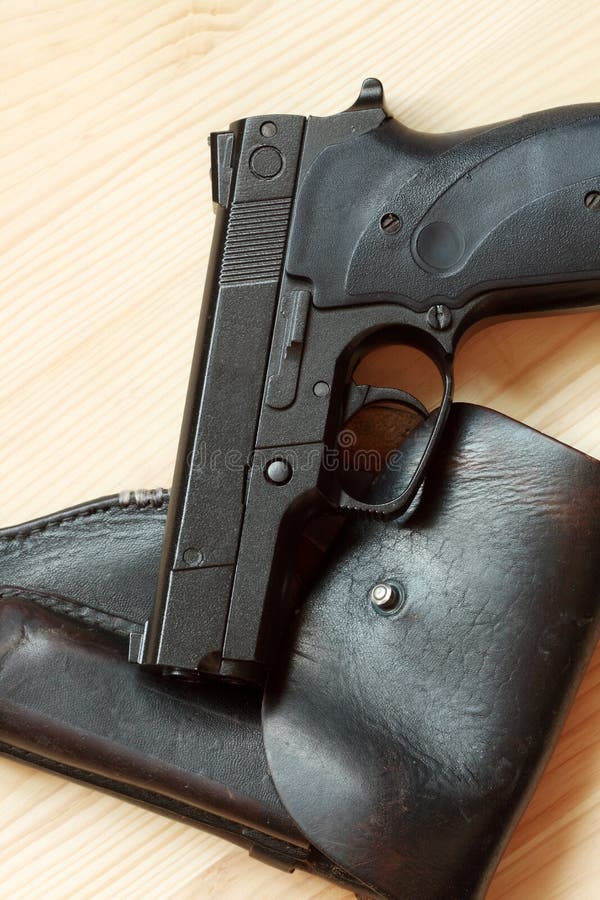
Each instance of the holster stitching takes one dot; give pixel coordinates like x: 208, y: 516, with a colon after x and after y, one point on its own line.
x: 70, y: 517
x: 85, y: 615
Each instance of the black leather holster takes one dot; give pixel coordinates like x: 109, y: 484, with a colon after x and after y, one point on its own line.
x: 393, y: 754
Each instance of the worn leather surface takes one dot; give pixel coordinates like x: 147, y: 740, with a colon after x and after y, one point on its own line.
x: 103, y: 554
x: 401, y: 748
x: 70, y: 693
x: 73, y: 585
x: 405, y: 747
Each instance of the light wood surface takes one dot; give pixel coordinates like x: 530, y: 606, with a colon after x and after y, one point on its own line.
x: 104, y: 235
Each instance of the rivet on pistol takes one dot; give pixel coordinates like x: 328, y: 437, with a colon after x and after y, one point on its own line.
x: 321, y: 389
x: 193, y: 557
x: 278, y: 471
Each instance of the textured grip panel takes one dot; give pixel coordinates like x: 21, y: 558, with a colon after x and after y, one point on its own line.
x: 255, y: 241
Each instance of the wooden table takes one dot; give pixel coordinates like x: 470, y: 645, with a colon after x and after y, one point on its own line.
x: 104, y: 236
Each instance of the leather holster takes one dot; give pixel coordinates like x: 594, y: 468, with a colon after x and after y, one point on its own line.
x: 393, y: 754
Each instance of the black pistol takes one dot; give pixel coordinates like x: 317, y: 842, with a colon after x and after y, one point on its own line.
x: 333, y: 236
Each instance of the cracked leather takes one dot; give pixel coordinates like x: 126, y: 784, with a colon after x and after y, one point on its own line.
x: 394, y: 754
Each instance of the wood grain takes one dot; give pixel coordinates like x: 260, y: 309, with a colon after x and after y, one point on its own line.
x: 104, y: 235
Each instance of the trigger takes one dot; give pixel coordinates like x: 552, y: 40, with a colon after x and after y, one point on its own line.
x: 360, y: 395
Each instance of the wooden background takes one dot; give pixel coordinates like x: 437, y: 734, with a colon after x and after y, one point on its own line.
x: 104, y: 233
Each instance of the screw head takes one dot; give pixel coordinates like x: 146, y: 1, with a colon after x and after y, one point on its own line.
x: 439, y: 317
x: 386, y: 597
x: 390, y: 223
x: 278, y: 471
x: 592, y: 200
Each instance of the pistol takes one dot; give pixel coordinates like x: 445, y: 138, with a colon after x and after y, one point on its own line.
x: 375, y: 709
x: 333, y: 236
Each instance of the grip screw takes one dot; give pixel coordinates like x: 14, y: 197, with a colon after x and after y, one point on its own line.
x: 592, y: 200
x: 390, y: 223
x: 439, y: 317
